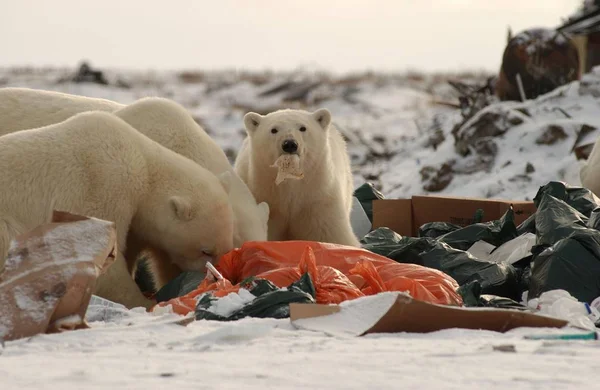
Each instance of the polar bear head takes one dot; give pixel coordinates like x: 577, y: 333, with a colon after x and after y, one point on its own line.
x: 289, y: 132
x: 189, y: 218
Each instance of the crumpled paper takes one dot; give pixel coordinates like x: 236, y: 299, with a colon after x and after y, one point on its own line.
x: 288, y: 166
x: 50, y: 274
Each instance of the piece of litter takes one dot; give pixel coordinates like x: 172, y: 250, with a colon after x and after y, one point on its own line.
x: 288, y: 166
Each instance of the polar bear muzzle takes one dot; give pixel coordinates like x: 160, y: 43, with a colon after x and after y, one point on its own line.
x: 289, y: 146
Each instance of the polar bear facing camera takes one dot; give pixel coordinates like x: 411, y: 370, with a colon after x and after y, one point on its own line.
x: 97, y: 165
x: 297, y: 162
x: 160, y: 119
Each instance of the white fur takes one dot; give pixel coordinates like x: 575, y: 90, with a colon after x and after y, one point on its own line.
x: 163, y: 120
x: 96, y: 164
x: 316, y: 208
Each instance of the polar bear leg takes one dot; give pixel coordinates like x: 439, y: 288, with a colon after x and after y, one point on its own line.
x: 331, y: 226
x: 5, y: 239
x: 118, y: 285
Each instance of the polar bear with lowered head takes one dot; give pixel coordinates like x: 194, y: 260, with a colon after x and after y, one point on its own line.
x: 316, y: 206
x: 162, y: 120
x: 97, y: 165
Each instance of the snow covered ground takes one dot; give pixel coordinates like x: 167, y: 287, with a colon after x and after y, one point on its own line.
x: 387, y: 120
x: 142, y: 352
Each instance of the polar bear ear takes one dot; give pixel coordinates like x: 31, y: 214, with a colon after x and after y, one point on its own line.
x: 225, y: 178
x: 252, y: 121
x: 181, y: 207
x: 323, y: 117
x: 263, y: 208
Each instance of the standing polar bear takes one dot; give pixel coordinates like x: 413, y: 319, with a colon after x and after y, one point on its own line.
x: 315, y: 201
x: 97, y: 165
x: 162, y: 120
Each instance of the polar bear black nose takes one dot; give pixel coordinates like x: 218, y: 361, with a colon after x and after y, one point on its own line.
x: 289, y: 146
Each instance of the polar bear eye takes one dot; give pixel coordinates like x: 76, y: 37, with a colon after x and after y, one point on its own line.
x: 303, y: 128
x: 273, y: 131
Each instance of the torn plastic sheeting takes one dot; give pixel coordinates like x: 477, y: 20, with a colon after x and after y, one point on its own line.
x: 270, y: 302
x: 561, y: 304
x: 509, y: 253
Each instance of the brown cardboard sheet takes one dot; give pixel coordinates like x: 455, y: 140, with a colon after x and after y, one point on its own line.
x: 50, y: 274
x: 405, y: 216
x: 397, y: 312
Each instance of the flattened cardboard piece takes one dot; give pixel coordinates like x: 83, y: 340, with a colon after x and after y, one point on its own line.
x: 405, y: 314
x: 397, y: 213
x: 50, y: 275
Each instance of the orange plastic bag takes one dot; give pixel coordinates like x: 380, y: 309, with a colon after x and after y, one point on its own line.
x: 257, y: 257
x: 187, y: 303
x: 331, y: 286
x: 422, y: 283
x: 338, y: 272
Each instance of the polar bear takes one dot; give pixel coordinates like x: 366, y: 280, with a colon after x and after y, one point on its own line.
x: 97, y: 165
x: 316, y: 206
x: 163, y: 120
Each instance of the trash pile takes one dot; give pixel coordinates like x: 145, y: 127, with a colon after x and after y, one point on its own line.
x: 549, y: 264
x: 332, y: 274
x: 550, y: 260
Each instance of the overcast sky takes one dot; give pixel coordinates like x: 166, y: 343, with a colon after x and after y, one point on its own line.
x: 341, y: 36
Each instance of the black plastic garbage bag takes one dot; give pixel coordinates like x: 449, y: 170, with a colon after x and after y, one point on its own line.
x: 556, y: 220
x: 181, y: 285
x: 494, y: 232
x: 487, y: 300
x: 494, y: 278
x: 270, y: 301
x: 594, y: 221
x: 527, y: 226
x: 386, y: 242
x: 366, y: 194
x: 472, y: 297
x: 581, y: 199
x: 437, y: 229
x: 571, y: 264
x: 497, y: 279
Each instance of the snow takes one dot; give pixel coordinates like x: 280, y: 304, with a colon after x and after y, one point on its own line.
x: 226, y: 305
x: 258, y: 354
x: 388, y: 120
x: 354, y: 318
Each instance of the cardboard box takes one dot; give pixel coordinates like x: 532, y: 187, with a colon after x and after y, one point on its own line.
x: 405, y: 216
x: 395, y: 312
